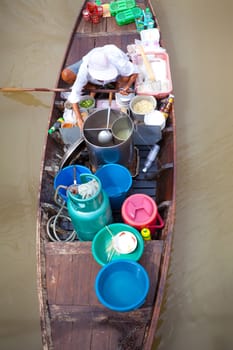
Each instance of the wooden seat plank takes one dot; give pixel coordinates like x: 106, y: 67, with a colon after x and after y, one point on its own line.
x: 81, y: 291
x: 64, y: 288
x: 72, y: 335
x: 62, y: 335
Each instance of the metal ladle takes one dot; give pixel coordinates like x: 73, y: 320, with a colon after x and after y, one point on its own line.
x: 105, y: 136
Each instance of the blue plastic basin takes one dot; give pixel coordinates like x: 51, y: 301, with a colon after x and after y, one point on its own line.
x: 122, y: 285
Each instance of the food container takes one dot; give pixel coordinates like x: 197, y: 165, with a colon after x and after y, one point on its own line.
x: 159, y: 62
x: 155, y: 118
x: 86, y: 103
x: 136, y: 104
x: 123, y: 100
x: 118, y: 150
x: 140, y: 211
x: 128, y: 16
x: 121, y: 5
x: 69, y: 133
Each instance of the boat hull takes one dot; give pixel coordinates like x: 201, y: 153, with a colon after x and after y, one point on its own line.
x: 70, y: 313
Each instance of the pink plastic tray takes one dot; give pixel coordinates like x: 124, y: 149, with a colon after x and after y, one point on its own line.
x: 162, y: 86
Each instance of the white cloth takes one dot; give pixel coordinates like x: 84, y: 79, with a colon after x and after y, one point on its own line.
x: 116, y: 56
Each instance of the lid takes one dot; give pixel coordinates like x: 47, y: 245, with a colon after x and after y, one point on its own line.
x: 155, y: 118
x: 139, y: 210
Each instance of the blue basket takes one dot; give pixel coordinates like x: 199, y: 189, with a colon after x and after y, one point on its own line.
x: 122, y: 285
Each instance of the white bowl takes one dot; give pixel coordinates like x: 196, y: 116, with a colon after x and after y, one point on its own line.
x: 123, y: 100
x: 84, y: 98
x: 125, y: 242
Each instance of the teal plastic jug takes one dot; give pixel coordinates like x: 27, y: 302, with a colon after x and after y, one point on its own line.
x: 90, y: 211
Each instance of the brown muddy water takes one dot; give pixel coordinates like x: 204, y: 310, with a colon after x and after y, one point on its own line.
x: 198, y: 308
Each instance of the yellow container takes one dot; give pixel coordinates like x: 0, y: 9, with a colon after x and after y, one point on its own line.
x: 145, y: 232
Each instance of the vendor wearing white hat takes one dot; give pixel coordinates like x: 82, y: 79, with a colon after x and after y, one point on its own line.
x: 101, y: 66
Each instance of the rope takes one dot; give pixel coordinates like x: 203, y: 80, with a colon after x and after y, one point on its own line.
x: 52, y: 224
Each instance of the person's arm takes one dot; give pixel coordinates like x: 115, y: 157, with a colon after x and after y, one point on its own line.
x: 126, y: 82
x: 79, y: 118
x: 80, y: 82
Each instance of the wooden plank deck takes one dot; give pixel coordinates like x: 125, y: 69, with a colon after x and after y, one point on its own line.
x: 74, y: 309
x: 89, y: 35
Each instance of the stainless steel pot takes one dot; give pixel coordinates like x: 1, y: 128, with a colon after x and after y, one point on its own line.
x: 117, y: 150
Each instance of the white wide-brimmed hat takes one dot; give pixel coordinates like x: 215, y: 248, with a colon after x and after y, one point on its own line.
x: 100, y: 68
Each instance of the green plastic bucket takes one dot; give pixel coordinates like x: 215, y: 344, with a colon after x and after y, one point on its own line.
x: 101, y: 245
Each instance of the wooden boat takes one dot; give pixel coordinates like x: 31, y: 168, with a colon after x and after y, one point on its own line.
x: 70, y: 313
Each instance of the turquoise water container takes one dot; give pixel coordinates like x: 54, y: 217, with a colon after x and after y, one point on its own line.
x: 90, y: 214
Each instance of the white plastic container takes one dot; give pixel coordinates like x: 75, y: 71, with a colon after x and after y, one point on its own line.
x: 123, y: 100
x: 155, y: 118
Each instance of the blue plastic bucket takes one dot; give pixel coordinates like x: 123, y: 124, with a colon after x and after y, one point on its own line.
x: 66, y: 177
x: 116, y: 180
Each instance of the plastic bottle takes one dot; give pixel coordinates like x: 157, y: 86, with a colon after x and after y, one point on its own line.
x: 165, y: 109
x: 56, y: 125
x: 147, y: 16
x: 148, y: 19
x: 145, y: 232
x: 151, y: 157
x: 139, y: 24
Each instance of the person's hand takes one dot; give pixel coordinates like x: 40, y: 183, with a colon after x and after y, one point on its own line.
x: 79, y: 118
x: 124, y: 91
x: 80, y: 123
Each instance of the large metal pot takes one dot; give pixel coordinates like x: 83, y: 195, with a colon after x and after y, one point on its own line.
x: 117, y: 150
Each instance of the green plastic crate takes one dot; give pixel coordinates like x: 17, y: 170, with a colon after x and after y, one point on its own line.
x: 128, y: 16
x: 121, y: 5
